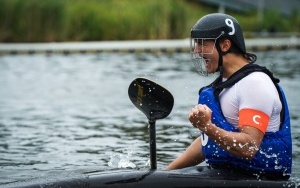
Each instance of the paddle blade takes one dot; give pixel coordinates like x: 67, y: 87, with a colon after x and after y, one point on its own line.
x: 153, y: 100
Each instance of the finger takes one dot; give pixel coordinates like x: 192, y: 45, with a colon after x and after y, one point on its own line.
x: 199, y: 106
x: 193, y: 116
x: 205, y: 108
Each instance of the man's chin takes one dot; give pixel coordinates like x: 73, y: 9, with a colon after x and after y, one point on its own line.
x: 210, y: 71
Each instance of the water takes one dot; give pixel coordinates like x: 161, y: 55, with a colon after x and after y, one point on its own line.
x: 62, y: 115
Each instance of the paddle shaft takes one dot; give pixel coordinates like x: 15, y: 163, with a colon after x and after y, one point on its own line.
x: 152, y: 144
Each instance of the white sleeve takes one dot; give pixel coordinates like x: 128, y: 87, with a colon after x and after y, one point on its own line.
x: 257, y: 91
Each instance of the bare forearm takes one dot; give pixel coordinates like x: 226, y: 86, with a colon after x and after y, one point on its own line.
x: 236, y: 143
x: 192, y: 156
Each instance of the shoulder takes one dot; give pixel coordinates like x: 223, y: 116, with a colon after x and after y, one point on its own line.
x: 257, y: 91
x: 257, y: 80
x: 257, y: 86
x: 257, y: 77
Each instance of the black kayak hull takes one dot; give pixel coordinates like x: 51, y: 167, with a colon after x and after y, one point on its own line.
x: 189, y: 177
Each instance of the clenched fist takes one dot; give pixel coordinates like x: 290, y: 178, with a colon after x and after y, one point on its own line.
x: 200, y: 117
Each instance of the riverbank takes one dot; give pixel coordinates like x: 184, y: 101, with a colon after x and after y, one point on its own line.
x: 94, y: 20
x: 138, y: 46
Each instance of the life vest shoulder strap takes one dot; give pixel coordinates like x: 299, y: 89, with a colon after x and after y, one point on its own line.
x: 243, y: 72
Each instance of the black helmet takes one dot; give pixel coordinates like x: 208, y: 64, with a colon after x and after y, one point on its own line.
x: 219, y: 26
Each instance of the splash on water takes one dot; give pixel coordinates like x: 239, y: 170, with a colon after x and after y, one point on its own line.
x: 120, y: 160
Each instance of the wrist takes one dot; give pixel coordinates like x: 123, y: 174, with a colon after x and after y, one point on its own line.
x: 207, y: 128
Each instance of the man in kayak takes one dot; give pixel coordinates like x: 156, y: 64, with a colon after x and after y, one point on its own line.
x: 243, y: 115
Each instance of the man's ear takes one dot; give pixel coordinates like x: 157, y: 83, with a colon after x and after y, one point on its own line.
x: 225, y: 45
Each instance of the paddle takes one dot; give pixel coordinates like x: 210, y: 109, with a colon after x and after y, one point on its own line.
x: 155, y: 102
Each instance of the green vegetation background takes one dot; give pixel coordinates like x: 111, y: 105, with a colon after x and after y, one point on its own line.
x: 96, y: 20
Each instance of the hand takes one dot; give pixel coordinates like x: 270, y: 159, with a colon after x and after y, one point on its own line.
x: 200, y: 117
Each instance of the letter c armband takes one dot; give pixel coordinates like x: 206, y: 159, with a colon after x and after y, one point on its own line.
x: 254, y: 118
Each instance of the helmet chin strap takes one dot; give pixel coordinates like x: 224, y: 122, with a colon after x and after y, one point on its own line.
x: 220, y: 63
x: 221, y: 54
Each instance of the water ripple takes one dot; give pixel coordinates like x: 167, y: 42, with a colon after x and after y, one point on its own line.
x: 71, y: 113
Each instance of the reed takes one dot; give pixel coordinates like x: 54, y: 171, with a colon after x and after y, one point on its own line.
x: 31, y: 21
x: 94, y: 20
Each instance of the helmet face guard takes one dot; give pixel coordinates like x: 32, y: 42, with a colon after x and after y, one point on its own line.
x: 198, y: 51
x: 212, y: 27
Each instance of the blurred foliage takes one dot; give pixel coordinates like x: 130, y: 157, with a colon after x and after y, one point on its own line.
x: 94, y: 20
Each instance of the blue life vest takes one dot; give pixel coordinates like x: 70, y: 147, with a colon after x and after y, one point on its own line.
x: 275, y: 152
